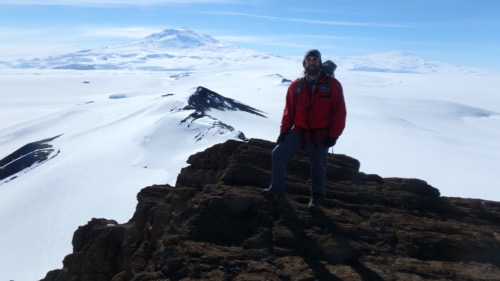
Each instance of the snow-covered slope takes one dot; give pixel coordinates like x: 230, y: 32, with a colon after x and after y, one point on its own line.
x: 147, y: 105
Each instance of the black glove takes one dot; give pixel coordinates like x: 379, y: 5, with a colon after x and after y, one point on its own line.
x: 330, y: 141
x: 281, y: 138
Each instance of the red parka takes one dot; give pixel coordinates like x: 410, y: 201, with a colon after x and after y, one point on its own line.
x: 315, y: 112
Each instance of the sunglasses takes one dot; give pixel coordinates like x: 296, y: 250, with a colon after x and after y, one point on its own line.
x: 312, y: 59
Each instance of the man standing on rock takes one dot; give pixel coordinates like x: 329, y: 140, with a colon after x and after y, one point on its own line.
x: 313, y: 119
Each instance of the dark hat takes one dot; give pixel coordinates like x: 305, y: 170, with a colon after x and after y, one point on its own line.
x: 312, y: 53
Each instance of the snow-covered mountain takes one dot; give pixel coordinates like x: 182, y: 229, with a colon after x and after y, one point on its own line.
x: 169, y: 50
x: 177, y: 39
x: 94, y: 138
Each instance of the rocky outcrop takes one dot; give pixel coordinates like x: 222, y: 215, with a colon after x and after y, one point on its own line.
x: 215, y: 225
x: 27, y: 157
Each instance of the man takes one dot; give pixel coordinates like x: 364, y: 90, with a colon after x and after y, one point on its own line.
x: 313, y: 119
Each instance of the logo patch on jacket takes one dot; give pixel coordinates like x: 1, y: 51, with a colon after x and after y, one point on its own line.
x: 324, y: 91
x: 323, y: 87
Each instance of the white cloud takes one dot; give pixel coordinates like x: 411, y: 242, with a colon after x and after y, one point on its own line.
x: 118, y: 32
x: 19, y: 42
x: 57, y: 40
x: 22, y: 50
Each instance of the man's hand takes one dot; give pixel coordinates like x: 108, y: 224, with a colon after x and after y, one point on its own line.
x: 330, y: 141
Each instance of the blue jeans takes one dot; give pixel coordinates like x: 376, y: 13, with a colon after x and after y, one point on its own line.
x: 284, y: 151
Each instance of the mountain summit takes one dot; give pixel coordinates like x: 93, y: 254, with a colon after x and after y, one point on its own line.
x: 179, y: 42
x: 178, y: 38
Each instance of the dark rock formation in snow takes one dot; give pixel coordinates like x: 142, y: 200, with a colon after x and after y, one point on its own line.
x: 26, y: 157
x: 204, y: 100
x: 215, y: 225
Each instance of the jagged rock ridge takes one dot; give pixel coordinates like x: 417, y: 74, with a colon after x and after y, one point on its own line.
x: 215, y: 225
x: 205, y: 100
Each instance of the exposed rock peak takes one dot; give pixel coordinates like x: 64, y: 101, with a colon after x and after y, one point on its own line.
x: 27, y: 157
x: 215, y: 225
x: 204, y: 100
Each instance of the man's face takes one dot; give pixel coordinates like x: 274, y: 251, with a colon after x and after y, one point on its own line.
x: 311, y: 65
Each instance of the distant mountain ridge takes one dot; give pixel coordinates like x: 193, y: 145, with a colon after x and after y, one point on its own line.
x: 399, y: 62
x: 161, y: 52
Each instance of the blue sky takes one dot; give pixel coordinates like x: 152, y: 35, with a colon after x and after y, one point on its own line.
x: 464, y: 32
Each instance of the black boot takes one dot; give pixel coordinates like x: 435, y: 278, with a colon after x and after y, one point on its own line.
x: 269, y: 194
x: 314, y: 203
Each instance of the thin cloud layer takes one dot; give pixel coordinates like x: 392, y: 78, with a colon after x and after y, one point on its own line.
x: 114, y: 2
x: 119, y: 32
x: 309, y: 21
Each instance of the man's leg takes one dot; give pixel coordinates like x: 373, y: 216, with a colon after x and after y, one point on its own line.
x: 317, y: 158
x: 281, y: 154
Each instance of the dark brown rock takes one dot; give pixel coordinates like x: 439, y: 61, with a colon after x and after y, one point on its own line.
x: 215, y: 225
